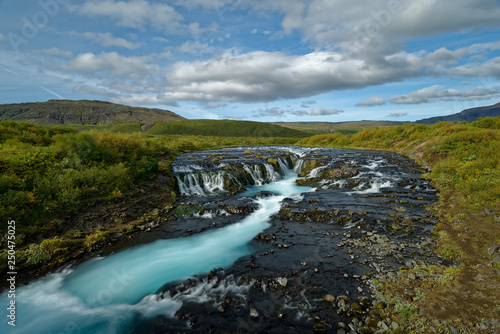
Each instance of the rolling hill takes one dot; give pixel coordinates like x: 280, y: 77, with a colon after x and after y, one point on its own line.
x: 83, y: 112
x: 342, y: 127
x: 224, y: 128
x: 469, y: 115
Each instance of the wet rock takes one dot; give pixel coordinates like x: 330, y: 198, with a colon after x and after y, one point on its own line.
x: 319, y: 328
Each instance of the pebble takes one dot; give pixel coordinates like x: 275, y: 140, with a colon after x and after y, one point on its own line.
x: 329, y: 298
x: 253, y: 313
x: 282, y: 281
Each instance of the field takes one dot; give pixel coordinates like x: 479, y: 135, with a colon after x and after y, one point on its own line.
x: 340, y: 127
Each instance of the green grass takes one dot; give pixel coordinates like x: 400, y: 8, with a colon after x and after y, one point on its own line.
x: 224, y: 128
x: 337, y: 127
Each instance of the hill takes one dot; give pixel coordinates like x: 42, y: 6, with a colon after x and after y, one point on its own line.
x: 342, y: 127
x: 224, y: 128
x: 469, y: 115
x: 83, y: 112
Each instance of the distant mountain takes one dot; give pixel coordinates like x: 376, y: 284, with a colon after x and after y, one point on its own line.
x: 63, y: 112
x: 469, y: 115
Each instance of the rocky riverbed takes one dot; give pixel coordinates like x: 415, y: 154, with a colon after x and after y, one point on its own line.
x: 313, y: 269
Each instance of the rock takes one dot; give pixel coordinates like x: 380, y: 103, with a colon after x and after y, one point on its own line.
x: 253, y: 313
x: 329, y: 298
x: 364, y: 301
x: 494, y: 252
x: 221, y: 309
x: 341, y: 331
x: 319, y: 328
x: 282, y: 281
x: 394, y: 325
x: 304, y: 263
x: 360, y: 289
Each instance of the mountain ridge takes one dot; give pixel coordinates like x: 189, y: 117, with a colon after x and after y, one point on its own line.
x: 468, y: 115
x: 83, y: 112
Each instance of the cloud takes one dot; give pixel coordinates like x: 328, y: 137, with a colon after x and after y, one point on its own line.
x: 307, y: 104
x: 108, y: 40
x: 397, y: 114
x: 378, y: 26
x: 269, y: 112
x: 437, y: 93
x: 54, y: 52
x: 2, y: 37
x: 233, y: 117
x: 324, y: 112
x: 207, y: 4
x: 270, y: 76
x: 196, y: 47
x: 136, y: 14
x: 215, y: 105
x: 371, y: 101
x: 283, y: 113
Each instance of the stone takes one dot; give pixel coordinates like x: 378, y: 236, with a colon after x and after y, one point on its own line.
x: 329, y: 298
x: 341, y: 331
x: 253, y: 313
x: 221, y: 309
x: 282, y: 281
x: 394, y: 325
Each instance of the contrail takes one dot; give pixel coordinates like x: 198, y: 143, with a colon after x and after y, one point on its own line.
x: 52, y: 92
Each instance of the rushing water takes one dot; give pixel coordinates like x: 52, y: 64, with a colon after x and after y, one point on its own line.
x: 104, y: 295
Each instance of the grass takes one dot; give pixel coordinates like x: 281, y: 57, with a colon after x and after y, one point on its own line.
x: 224, y: 128
x: 337, y: 127
x: 464, y: 163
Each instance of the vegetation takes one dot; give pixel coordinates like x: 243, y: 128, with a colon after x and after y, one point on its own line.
x: 224, y: 128
x: 340, y: 127
x: 48, y: 172
x: 464, y: 162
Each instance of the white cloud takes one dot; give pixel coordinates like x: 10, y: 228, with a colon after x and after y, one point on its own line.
x: 135, y: 14
x: 54, y: 52
x: 269, y: 76
x: 208, y: 4
x: 2, y: 37
x: 233, y: 117
x: 438, y: 93
x: 371, y: 101
x: 196, y: 48
x: 325, y: 112
x: 108, y: 40
x: 378, y: 22
x: 397, y: 114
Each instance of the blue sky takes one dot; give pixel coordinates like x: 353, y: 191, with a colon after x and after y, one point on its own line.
x: 261, y: 60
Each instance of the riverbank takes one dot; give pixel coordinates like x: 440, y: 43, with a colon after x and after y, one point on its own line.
x: 463, y: 161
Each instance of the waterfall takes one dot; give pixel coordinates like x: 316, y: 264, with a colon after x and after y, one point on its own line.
x: 299, y: 165
x: 204, y: 183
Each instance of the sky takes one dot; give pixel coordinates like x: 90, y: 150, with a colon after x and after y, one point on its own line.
x: 259, y: 60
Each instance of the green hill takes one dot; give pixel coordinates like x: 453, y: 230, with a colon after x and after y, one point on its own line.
x: 341, y: 127
x: 83, y: 112
x: 224, y: 128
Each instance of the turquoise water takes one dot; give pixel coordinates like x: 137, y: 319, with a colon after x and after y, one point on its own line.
x: 103, y: 295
